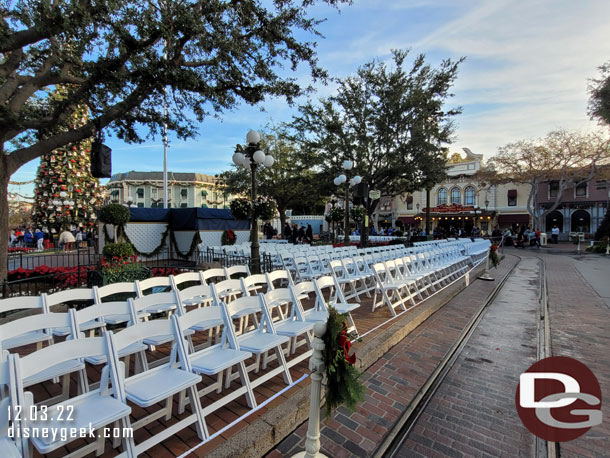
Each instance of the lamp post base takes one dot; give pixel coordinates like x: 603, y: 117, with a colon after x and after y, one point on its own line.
x: 486, y: 277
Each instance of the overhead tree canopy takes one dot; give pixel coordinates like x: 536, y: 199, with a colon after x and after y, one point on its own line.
x: 599, y: 103
x: 569, y: 158
x: 388, y: 119
x: 118, y: 57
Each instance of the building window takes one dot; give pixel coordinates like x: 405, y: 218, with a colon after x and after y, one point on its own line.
x: 601, y: 184
x: 183, y: 205
x: 140, y: 193
x: 140, y: 204
x: 204, y: 193
x: 184, y: 193
x: 456, y: 196
x: 441, y: 198
x: 153, y: 193
x: 512, y: 198
x: 204, y: 206
x: 409, y: 202
x: 469, y: 196
x: 581, y: 190
x: 553, y: 189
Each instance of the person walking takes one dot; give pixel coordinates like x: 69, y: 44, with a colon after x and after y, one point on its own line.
x: 309, y: 234
x: 39, y: 237
x: 67, y: 239
x: 555, y: 234
x: 287, y: 232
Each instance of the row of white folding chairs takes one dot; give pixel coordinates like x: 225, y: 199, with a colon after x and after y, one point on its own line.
x: 258, y: 343
x: 398, y: 281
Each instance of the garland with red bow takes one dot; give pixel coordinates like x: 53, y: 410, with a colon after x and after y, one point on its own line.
x: 343, y: 386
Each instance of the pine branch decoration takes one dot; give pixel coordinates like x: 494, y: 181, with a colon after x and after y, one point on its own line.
x: 343, y: 386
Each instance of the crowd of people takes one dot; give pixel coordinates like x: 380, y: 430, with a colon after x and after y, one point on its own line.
x: 41, y: 239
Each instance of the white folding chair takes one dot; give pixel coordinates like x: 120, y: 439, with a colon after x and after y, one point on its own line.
x: 215, y: 359
x: 94, y: 409
x: 240, y: 271
x: 38, y: 336
x: 293, y: 326
x: 49, y: 321
x: 160, y: 384
x: 334, y: 297
x: 117, y: 292
x: 261, y: 340
x: 72, y: 295
x: 153, y: 285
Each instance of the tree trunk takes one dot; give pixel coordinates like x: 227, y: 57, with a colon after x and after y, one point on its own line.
x: 4, y: 180
x: 282, y: 212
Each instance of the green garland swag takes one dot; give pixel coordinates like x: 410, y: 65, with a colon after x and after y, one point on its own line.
x: 156, y: 250
x: 196, y: 241
x: 342, y: 385
x: 493, y: 256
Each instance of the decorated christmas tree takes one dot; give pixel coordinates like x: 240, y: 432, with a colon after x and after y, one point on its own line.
x: 65, y: 193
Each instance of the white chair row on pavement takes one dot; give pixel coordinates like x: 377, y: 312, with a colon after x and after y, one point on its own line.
x: 221, y: 329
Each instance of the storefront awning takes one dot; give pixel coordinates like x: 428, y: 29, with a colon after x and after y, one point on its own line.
x: 514, y: 219
x: 406, y: 219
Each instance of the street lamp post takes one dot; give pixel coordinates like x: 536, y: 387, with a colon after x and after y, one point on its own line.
x: 427, y: 212
x: 252, y: 155
x: 343, y: 178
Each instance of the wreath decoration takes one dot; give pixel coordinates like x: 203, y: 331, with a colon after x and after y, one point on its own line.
x: 228, y: 237
x: 342, y: 378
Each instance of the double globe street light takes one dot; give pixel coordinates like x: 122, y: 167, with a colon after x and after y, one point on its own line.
x: 253, y: 156
x: 341, y: 179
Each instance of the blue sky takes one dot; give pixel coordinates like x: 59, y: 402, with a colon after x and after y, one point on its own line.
x: 526, y: 72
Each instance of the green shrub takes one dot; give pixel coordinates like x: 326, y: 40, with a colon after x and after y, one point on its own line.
x: 118, y: 250
x: 116, y: 214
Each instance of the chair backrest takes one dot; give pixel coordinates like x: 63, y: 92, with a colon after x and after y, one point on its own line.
x: 251, y: 282
x: 277, y: 297
x: 22, y: 302
x: 213, y: 274
x: 142, y: 330
x: 335, y: 293
x: 242, y: 270
x: 246, y: 303
x: 97, y: 311
x: 154, y: 285
x: 43, y: 359
x: 193, y: 291
x: 142, y: 303
x: 281, y: 275
x: 228, y: 286
x: 69, y: 295
x: 178, y: 281
x: 27, y: 324
x: 125, y: 289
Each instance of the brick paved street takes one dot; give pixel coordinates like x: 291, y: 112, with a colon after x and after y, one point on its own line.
x: 473, y: 412
x: 580, y: 328
x: 394, y: 379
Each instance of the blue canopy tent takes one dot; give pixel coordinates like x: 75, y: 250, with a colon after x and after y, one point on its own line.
x: 190, y: 219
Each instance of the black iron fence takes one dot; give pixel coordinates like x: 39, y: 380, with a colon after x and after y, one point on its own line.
x: 229, y: 259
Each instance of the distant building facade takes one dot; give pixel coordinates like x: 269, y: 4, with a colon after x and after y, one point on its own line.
x: 461, y: 201
x: 582, y: 208
x: 185, y: 190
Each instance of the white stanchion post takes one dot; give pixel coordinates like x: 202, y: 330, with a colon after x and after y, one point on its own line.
x: 486, y: 275
x: 608, y: 248
x: 316, y: 366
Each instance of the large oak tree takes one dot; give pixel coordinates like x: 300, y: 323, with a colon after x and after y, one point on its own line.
x: 569, y: 158
x: 120, y: 57
x: 390, y: 119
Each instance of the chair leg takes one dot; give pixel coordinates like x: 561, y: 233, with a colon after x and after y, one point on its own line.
x: 168, y: 408
x: 182, y: 401
x: 282, y: 361
x: 245, y: 381
x: 228, y: 378
x: 202, y: 428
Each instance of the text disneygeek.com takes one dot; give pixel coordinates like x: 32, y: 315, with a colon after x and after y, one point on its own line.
x: 63, y: 434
